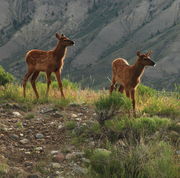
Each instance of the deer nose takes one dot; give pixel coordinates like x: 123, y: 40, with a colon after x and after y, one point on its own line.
x: 153, y: 63
x: 73, y: 42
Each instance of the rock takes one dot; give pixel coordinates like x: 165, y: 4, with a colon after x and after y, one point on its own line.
x: 80, y: 114
x: 21, y: 134
x: 74, y: 155
x: 39, y: 136
x: 16, y: 114
x: 24, y: 141
x: 3, y: 127
x: 39, y: 149
x: 54, y: 152
x: 78, y: 119
x: 57, y: 114
x: 55, y: 165
x: 60, y: 126
x: 74, y: 115
x: 14, y: 137
x: 47, y: 110
x: 80, y: 170
x: 59, y: 157
x: 28, y: 164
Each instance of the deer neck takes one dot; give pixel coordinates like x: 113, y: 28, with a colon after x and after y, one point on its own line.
x: 60, y: 51
x: 138, y: 70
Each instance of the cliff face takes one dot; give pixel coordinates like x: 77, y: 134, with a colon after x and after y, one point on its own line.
x: 102, y: 30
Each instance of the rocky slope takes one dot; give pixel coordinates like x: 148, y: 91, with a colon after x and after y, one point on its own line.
x: 102, y: 29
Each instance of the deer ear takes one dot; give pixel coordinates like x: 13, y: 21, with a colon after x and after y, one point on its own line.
x: 138, y: 53
x: 149, y: 53
x: 58, y: 36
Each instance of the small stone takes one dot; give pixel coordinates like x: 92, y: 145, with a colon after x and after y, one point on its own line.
x: 39, y: 149
x: 55, y: 165
x: 78, y: 119
x: 27, y: 153
x: 21, y: 134
x: 54, y: 152
x: 16, y: 114
x: 24, y: 141
x: 80, y: 114
x: 39, y: 136
x: 74, y: 115
x: 28, y: 164
x: 14, y: 137
x: 59, y: 157
x: 60, y: 126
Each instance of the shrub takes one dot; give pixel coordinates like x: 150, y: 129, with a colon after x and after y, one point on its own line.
x: 111, y: 105
x: 5, y: 77
x: 70, y: 125
x: 139, y: 161
x: 144, y: 125
x: 145, y: 91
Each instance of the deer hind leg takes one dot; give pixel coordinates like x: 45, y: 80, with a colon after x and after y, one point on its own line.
x: 58, y: 77
x: 112, y: 85
x: 33, y: 80
x: 25, y: 79
x: 48, y: 75
x: 121, y: 88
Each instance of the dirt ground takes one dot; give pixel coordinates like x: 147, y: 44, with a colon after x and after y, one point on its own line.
x: 30, y: 141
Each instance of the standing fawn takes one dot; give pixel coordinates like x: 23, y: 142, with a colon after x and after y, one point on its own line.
x: 128, y: 76
x: 47, y: 61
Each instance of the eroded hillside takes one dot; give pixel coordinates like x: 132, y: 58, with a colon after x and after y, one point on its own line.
x: 102, y: 29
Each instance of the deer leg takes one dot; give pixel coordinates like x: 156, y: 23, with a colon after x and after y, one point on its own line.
x: 48, y: 75
x: 112, y: 85
x: 133, y: 101
x: 127, y: 93
x: 58, y: 77
x: 33, y: 80
x: 121, y: 88
x: 25, y: 79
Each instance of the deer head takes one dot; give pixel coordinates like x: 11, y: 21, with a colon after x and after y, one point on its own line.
x: 64, y: 40
x: 145, y: 59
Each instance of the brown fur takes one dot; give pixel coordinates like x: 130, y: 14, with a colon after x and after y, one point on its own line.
x: 46, y: 61
x: 128, y: 76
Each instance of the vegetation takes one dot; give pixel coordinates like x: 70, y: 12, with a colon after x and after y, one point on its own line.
x: 116, y: 144
x: 5, y: 77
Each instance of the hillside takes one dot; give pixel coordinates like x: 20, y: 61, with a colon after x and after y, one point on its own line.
x: 102, y: 30
x: 55, y: 137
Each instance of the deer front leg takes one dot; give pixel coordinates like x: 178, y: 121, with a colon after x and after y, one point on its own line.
x: 58, y: 77
x: 112, y: 85
x: 48, y: 77
x: 121, y: 88
x: 27, y: 75
x: 133, y: 101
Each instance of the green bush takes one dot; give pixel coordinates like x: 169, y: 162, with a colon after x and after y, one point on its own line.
x: 145, y: 91
x: 145, y: 125
x: 135, y: 161
x: 109, y: 106
x: 5, y: 77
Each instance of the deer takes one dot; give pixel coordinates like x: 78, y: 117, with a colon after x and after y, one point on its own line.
x: 129, y: 76
x: 48, y: 62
